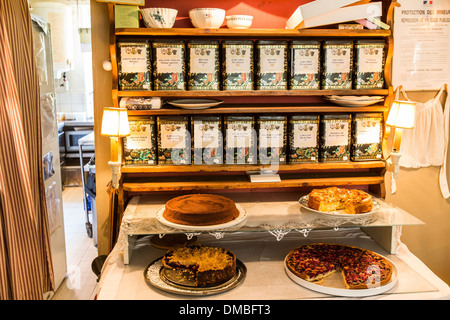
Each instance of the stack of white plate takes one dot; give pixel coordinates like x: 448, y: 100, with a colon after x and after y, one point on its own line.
x: 355, y: 101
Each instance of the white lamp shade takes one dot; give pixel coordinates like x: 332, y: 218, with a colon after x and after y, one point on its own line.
x: 115, y: 122
x: 402, y: 114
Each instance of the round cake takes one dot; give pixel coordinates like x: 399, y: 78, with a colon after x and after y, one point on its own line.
x: 352, y: 201
x: 200, y: 210
x: 199, y: 265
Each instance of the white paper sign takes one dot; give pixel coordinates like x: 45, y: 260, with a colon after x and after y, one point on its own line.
x: 421, y: 58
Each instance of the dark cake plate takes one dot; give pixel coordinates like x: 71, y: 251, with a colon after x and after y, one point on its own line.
x: 156, y: 277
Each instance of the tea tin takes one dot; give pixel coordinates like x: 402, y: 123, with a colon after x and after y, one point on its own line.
x: 304, y: 138
x: 174, y: 140
x: 203, y: 65
x: 169, y: 67
x: 140, y: 146
x: 240, y: 140
x: 271, y: 65
x: 337, y: 65
x: 237, y: 65
x: 134, y: 65
x: 335, y: 137
x: 207, y: 140
x: 272, y: 139
x: 304, y: 65
x: 369, y: 64
x: 367, y: 135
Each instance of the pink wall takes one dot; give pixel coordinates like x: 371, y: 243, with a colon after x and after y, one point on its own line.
x: 266, y: 14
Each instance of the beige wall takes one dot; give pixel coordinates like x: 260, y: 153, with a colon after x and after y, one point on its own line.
x: 417, y: 190
x: 418, y: 193
x: 102, y: 81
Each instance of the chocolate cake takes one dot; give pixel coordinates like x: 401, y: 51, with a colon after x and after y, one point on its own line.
x: 200, y: 210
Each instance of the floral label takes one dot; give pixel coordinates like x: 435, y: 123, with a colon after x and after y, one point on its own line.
x: 170, y: 60
x: 206, y: 135
x: 305, y: 135
x: 306, y: 61
x: 368, y: 131
x: 272, y: 60
x: 134, y: 59
x: 173, y: 136
x: 338, y: 60
x: 337, y: 133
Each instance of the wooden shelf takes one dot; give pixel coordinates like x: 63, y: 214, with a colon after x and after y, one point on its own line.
x: 255, y: 167
x: 252, y: 93
x: 252, y: 33
x: 242, y: 182
x: 258, y: 109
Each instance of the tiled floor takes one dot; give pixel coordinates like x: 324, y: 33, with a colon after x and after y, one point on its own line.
x: 80, y: 282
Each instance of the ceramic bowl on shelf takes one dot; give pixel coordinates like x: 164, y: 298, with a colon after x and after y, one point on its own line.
x: 207, y: 18
x: 159, y: 17
x: 239, y: 21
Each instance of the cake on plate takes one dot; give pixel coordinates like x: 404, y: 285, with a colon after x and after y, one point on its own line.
x: 200, y: 210
x: 352, y: 201
x: 199, y: 265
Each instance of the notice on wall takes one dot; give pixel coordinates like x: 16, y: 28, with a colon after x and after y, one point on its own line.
x: 421, y: 58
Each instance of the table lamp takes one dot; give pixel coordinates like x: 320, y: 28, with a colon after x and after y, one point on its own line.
x: 401, y: 116
x: 115, y: 125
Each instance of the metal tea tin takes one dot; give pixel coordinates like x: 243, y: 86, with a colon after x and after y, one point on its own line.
x: 271, y: 65
x: 240, y: 140
x: 169, y: 68
x: 272, y: 139
x: 337, y: 65
x: 367, y: 135
x: 134, y: 65
x: 174, y: 141
x: 335, y: 137
x: 140, y: 146
x: 304, y: 138
x: 203, y: 65
x: 207, y: 139
x: 304, y: 65
x: 237, y: 65
x: 369, y: 64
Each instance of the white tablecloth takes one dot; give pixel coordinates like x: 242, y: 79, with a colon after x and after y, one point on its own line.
x: 266, y: 278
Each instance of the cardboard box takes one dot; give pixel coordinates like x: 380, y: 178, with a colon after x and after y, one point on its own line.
x: 313, y: 9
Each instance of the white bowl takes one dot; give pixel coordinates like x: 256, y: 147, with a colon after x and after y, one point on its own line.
x: 239, y: 21
x: 159, y: 17
x: 207, y: 18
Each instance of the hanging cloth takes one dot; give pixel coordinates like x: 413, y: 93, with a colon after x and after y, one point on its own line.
x: 443, y: 183
x: 423, y: 145
x: 426, y: 144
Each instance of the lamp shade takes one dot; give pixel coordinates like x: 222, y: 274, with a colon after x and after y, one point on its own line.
x: 402, y: 114
x: 115, y: 122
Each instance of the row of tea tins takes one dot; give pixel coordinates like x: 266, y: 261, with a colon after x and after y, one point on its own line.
x: 247, y: 65
x: 245, y: 139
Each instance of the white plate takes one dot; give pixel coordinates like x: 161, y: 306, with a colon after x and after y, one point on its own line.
x: 351, y: 103
x: 195, y: 103
x: 334, y: 284
x: 242, y: 216
x: 355, y: 98
x: 340, y: 213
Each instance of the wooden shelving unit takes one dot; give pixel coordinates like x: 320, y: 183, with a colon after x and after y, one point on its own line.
x: 186, y: 178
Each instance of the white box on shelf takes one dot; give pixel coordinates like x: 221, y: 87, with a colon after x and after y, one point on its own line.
x: 350, y: 13
x: 313, y: 9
